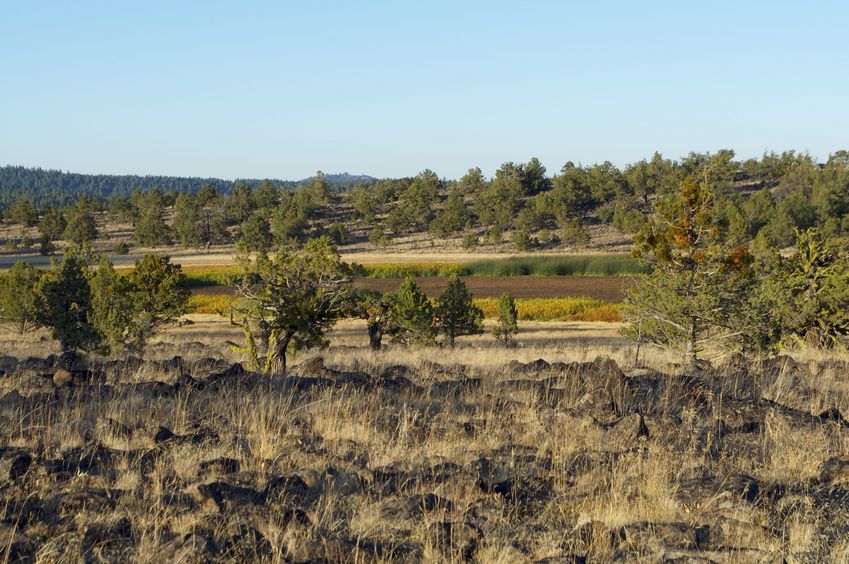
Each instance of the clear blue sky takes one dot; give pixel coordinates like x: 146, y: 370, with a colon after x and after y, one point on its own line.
x: 273, y: 89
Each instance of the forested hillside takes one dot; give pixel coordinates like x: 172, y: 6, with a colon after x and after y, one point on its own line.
x: 520, y: 205
x: 45, y: 187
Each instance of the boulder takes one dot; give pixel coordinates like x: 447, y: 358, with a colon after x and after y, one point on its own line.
x: 455, y: 540
x: 834, y: 470
x: 191, y: 547
x: 14, y: 464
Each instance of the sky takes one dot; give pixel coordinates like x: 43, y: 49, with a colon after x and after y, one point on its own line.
x: 282, y: 89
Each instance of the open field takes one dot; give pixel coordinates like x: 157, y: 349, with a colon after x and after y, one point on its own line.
x: 607, y: 288
x: 381, y: 264
x: 481, y: 453
x: 579, y: 308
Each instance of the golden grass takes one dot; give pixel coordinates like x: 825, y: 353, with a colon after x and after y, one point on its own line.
x: 273, y: 431
x: 210, y: 303
x: 556, y: 309
x: 529, y: 309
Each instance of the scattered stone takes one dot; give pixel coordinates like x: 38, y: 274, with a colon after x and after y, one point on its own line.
x: 834, y: 470
x: 14, y: 464
x: 62, y: 378
x: 219, y: 466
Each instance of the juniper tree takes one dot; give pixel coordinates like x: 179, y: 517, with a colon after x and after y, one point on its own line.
x: 158, y: 296
x: 18, y: 296
x: 818, y: 290
x: 455, y: 314
x: 410, y: 317
x: 373, y: 307
x: 507, y: 324
x: 111, y: 307
x: 80, y: 227
x: 256, y: 234
x: 64, y: 305
x: 290, y: 300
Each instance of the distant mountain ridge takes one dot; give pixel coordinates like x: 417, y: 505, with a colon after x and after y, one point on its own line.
x: 46, y: 187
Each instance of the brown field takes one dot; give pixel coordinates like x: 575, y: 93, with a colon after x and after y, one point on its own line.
x: 482, y: 453
x: 606, y: 288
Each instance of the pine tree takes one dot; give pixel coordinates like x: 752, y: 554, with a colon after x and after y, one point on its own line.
x: 455, y: 314
x: 507, y: 325
x: 698, y: 282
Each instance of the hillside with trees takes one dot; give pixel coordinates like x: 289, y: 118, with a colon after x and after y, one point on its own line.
x: 45, y: 187
x: 520, y: 207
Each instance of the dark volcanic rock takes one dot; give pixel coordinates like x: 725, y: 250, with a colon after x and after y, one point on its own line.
x: 245, y: 544
x: 91, y: 459
x: 191, y: 547
x: 230, y: 497
x: 219, y: 466
x: 455, y: 539
x: 834, y: 470
x: 454, y: 388
x: 14, y: 463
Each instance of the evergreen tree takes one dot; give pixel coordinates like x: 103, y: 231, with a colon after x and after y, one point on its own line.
x: 818, y: 284
x: 151, y: 229
x: 159, y: 296
x: 698, y: 282
x: 455, y: 314
x: 81, y: 227
x: 18, y: 296
x: 241, y: 203
x: 411, y: 315
x: 112, y: 310
x: 290, y: 301
x: 23, y: 213
x: 453, y: 217
x: 256, y: 234
x: 52, y: 224
x: 64, y: 305
x: 507, y: 325
x: 187, y: 224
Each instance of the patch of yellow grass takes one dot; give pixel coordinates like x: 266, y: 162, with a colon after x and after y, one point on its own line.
x: 556, y: 309
x: 530, y: 309
x: 210, y: 303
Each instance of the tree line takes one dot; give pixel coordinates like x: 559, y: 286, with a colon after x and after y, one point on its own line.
x: 710, y: 290
x: 706, y: 290
x: 288, y: 302
x: 767, y: 198
x: 54, y: 188
x: 87, y: 305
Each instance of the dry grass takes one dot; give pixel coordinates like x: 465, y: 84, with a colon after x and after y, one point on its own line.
x: 527, y: 475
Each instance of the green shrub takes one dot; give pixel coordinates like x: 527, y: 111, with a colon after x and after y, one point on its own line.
x: 470, y: 241
x: 522, y: 240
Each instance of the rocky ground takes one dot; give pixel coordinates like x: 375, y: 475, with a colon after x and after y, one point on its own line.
x: 200, y: 461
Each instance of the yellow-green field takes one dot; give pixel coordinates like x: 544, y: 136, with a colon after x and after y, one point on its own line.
x: 530, y: 309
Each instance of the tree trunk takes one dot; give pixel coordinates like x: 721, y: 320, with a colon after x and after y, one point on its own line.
x: 690, y: 354
x: 278, y: 365
x: 375, y: 335
x: 451, y: 340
